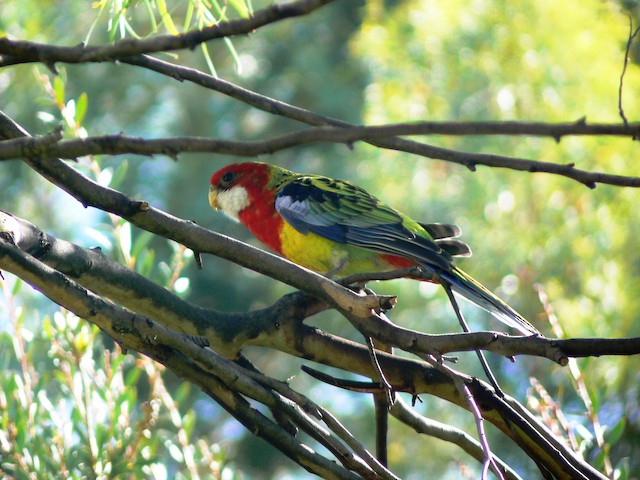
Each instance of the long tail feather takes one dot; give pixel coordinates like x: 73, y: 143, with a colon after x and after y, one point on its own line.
x: 471, y: 290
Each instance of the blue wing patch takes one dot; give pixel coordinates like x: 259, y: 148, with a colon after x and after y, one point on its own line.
x: 294, y: 202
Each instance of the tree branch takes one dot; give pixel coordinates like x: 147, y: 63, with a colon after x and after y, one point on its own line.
x: 447, y: 433
x: 632, y: 35
x: 51, y: 146
x: 228, y: 333
x: 467, y: 159
x: 298, y: 339
x: 136, y: 332
x: 14, y: 52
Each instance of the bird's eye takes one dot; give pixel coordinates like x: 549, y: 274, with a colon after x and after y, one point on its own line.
x: 227, y: 178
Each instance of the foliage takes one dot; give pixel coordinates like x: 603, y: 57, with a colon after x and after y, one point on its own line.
x: 72, y: 406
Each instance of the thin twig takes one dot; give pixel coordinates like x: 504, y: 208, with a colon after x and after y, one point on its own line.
x: 447, y: 433
x: 577, y: 378
x: 119, y: 144
x: 422, y: 425
x: 322, y: 414
x: 465, y: 328
x: 632, y: 36
x: 363, y: 277
x: 376, y: 365
x: 461, y: 385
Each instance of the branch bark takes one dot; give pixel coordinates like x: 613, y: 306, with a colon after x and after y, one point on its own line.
x: 51, y: 145
x: 139, y: 333
x: 383, y: 139
x: 278, y: 327
x: 14, y: 52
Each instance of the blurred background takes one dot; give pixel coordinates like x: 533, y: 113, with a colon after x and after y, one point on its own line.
x: 369, y: 62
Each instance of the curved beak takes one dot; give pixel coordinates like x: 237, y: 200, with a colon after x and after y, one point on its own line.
x: 213, y: 197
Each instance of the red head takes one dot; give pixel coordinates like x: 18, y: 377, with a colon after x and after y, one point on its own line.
x: 237, y: 186
x: 246, y: 192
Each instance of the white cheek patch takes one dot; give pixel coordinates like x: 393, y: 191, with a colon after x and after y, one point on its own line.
x: 233, y: 201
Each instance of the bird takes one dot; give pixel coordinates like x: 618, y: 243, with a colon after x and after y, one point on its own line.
x: 335, y: 227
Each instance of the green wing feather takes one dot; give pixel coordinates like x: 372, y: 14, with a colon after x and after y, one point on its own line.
x: 346, y: 213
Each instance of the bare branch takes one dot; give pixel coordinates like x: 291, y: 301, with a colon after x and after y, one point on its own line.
x: 50, y: 146
x: 460, y: 382
x: 447, y: 433
x: 381, y: 138
x: 329, y: 420
x: 14, y: 52
x: 468, y: 159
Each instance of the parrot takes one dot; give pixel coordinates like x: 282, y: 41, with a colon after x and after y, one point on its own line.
x: 336, y: 227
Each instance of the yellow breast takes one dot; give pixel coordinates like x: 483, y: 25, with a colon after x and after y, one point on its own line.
x: 326, y: 256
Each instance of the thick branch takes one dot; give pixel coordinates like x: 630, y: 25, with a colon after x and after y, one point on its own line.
x: 138, y: 333
x: 405, y: 375
x: 230, y: 332
x: 15, y: 52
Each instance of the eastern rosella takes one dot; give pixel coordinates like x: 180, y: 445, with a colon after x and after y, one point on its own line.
x: 335, y: 227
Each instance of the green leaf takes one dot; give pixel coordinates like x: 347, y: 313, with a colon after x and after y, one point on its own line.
x: 188, y: 16
x: 145, y: 263
x: 241, y: 7
x: 621, y: 472
x: 81, y: 107
x: 181, y: 394
x: 234, y: 54
x: 101, y: 435
x: 16, y: 286
x: 166, y: 17
x: 47, y: 327
x: 132, y: 376
x: 150, y: 13
x: 189, y: 422
x: 119, y: 173
x: 616, y: 431
x: 208, y: 60
x: 58, y: 89
x: 594, y: 397
x: 141, y: 242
